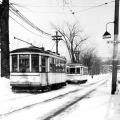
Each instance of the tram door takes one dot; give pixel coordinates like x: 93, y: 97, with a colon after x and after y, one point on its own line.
x: 44, y: 69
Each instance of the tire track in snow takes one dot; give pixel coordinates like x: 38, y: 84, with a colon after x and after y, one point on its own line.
x: 67, y: 105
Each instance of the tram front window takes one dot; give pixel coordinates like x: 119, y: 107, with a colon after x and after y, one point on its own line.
x: 24, y: 65
x: 72, y: 70
x: 14, y: 63
x: 35, y: 63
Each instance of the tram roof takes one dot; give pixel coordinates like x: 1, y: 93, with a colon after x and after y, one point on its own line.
x: 29, y: 49
x: 34, y: 50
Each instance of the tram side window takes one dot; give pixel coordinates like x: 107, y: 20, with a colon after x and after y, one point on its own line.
x: 43, y: 64
x: 62, y: 65
x: 72, y: 70
x: 24, y: 63
x: 35, y: 62
x: 52, y: 65
x: 57, y: 65
x: 14, y: 63
x: 50, y: 60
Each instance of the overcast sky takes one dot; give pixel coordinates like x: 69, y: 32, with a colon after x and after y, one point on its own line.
x: 92, y: 16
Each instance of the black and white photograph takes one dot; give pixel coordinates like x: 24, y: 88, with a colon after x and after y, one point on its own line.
x: 59, y: 60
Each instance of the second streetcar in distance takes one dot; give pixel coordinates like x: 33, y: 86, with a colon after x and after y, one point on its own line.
x: 76, y: 73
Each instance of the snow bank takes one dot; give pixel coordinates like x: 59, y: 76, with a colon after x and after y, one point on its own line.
x: 5, y: 87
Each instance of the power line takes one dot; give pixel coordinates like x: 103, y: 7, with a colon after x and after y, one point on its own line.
x: 100, y: 5
x: 77, y: 22
x: 24, y: 26
x: 18, y: 14
x: 52, y: 46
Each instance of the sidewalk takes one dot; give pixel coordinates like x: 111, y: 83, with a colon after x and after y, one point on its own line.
x: 113, y: 112
x: 108, y: 105
x: 112, y: 101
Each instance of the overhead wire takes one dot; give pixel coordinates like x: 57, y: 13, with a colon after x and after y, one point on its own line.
x: 18, y: 13
x: 53, y: 46
x: 29, y: 5
x: 74, y: 13
x: 92, y: 7
x: 21, y: 16
x: 24, y: 26
x: 15, y: 12
x: 77, y: 22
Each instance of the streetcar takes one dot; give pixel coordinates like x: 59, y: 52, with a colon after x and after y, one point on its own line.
x: 36, y: 69
x: 76, y: 73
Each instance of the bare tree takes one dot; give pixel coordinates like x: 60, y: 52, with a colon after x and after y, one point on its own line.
x: 90, y: 59
x: 73, y: 38
x: 87, y: 58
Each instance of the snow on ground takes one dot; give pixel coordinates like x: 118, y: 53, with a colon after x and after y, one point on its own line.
x: 98, y: 106
x: 5, y: 88
x: 94, y: 107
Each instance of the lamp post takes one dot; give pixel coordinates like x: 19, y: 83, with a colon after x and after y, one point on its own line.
x: 115, y: 46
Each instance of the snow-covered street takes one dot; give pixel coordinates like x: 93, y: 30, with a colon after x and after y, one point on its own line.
x: 87, y: 101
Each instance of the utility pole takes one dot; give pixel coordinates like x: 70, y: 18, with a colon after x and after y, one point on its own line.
x: 57, y: 38
x: 115, y: 47
x: 4, y: 38
x: 0, y: 35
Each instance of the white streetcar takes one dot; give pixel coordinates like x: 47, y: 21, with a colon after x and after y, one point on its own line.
x: 35, y: 69
x: 76, y: 73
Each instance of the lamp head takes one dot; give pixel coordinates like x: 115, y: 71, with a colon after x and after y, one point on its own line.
x: 106, y: 35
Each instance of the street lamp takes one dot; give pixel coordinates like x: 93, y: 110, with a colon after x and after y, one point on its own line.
x: 107, y: 34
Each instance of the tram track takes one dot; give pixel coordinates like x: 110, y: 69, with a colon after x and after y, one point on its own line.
x: 29, y: 95
x: 52, y: 99
x: 67, y: 105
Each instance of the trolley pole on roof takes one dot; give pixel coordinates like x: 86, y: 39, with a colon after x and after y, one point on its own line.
x: 57, y: 38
